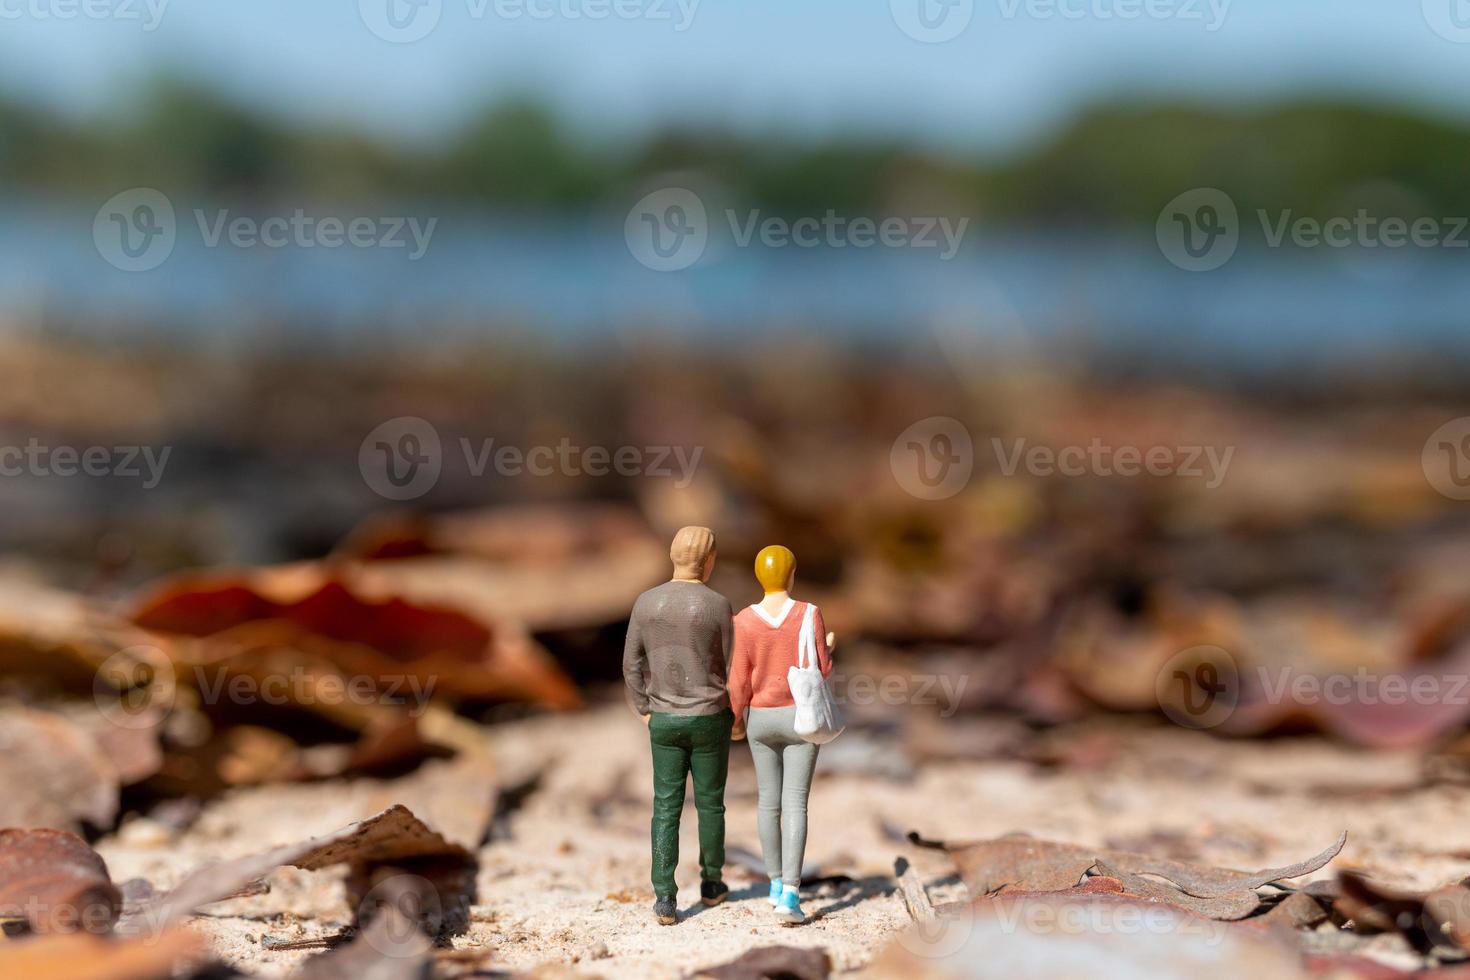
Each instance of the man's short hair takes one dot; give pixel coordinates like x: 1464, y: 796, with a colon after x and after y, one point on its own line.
x: 692, y: 547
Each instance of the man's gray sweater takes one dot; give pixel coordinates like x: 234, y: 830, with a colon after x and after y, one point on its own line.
x: 678, y: 650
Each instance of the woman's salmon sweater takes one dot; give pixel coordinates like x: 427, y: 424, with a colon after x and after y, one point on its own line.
x: 764, y: 649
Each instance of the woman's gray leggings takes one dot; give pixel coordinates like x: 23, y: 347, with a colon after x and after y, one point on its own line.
x: 783, y: 769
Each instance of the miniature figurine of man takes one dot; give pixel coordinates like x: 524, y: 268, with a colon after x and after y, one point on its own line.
x: 675, y: 662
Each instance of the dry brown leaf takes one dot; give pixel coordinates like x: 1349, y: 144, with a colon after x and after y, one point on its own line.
x: 54, y: 881
x: 54, y: 773
x: 361, y: 626
x: 547, y: 566
x: 1018, y: 863
x: 60, y: 641
x: 395, y: 839
x: 1426, y: 919
x: 786, y: 962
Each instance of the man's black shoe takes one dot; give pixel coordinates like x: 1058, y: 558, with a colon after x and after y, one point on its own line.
x: 712, y: 893
x: 666, y: 910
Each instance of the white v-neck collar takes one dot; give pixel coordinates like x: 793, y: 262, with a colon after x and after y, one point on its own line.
x: 774, y: 621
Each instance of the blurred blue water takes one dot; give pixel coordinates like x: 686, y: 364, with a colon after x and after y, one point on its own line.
x: 573, y: 278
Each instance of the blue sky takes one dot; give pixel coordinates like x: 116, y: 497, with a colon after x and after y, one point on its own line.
x: 1016, y: 70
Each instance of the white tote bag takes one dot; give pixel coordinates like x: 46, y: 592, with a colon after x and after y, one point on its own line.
x: 817, y: 717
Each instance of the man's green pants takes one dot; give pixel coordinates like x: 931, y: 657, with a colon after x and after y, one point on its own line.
x: 685, y: 745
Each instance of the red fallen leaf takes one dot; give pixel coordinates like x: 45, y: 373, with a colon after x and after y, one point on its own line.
x: 54, y: 772
x: 54, y: 881
x: 81, y: 956
x: 364, y: 629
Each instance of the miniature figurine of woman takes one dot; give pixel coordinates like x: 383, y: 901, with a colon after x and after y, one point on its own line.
x: 766, y: 643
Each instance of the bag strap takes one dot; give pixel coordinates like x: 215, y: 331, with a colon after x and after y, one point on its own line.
x: 806, y: 643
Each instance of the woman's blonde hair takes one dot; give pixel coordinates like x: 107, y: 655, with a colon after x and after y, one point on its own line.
x: 773, y: 568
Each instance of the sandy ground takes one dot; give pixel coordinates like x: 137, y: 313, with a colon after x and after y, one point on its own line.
x: 566, y: 879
